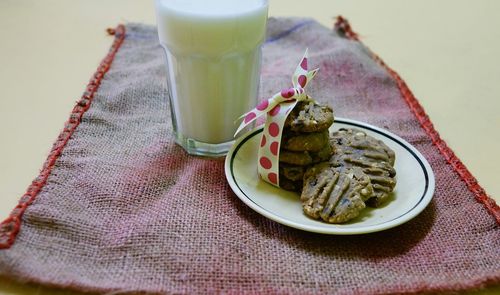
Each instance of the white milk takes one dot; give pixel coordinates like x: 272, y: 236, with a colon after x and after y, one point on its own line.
x: 213, y: 55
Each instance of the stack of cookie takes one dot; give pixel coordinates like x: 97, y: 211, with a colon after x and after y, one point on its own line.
x: 338, y: 175
x: 359, y: 173
x: 305, y: 142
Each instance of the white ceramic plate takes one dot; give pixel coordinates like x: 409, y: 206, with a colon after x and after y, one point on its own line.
x: 413, y: 192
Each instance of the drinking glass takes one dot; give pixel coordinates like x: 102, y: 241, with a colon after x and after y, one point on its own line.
x: 213, y: 57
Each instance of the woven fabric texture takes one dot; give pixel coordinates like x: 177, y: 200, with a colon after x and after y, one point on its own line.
x: 125, y: 209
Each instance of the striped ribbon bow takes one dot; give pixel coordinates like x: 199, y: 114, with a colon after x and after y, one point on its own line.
x: 277, y: 109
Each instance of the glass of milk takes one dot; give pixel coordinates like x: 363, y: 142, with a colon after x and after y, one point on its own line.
x: 213, y: 50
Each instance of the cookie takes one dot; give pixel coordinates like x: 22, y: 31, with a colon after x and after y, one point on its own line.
x: 323, y: 155
x: 298, y: 142
x: 290, y: 185
x: 295, y: 158
x: 306, y: 158
x: 334, y: 194
x: 354, y: 148
x: 292, y: 172
x: 308, y: 116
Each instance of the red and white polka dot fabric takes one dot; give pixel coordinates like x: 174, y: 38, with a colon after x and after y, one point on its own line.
x: 277, y: 109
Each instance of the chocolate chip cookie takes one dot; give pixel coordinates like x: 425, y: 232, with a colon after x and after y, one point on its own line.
x: 312, y: 141
x: 291, y: 177
x: 335, y: 194
x: 290, y: 185
x: 308, y: 116
x: 354, y: 148
x: 292, y: 172
x: 306, y: 158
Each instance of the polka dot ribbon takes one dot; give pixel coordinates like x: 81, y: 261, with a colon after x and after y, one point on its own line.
x: 277, y: 109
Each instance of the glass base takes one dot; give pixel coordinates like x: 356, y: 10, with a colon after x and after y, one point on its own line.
x: 194, y: 147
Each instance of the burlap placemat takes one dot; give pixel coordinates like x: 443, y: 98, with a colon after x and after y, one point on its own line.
x: 118, y: 207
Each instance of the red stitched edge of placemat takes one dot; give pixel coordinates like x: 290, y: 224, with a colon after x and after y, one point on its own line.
x: 343, y: 25
x: 10, y: 226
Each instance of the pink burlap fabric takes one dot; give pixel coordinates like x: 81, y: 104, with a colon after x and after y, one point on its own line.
x: 120, y: 208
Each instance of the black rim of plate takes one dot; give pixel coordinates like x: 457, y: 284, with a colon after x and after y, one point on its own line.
x: 426, y: 175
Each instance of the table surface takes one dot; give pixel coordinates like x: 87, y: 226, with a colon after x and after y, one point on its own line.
x: 447, y: 51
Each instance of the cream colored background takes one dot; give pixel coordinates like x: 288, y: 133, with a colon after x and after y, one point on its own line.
x: 447, y: 51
